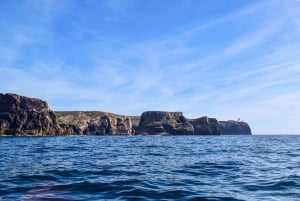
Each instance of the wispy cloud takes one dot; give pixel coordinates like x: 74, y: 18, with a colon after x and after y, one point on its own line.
x: 242, y: 64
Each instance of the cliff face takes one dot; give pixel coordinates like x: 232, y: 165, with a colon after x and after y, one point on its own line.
x: 159, y: 122
x: 23, y: 115
x: 206, y: 126
x: 151, y: 122
x: 92, y: 122
x: 234, y: 128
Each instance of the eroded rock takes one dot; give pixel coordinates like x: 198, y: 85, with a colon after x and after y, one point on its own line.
x: 96, y: 123
x: 23, y: 115
x: 232, y: 127
x: 206, y: 126
x: 174, y: 123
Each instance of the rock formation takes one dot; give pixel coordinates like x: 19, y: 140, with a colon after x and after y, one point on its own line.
x: 93, y: 122
x: 150, y: 122
x: 23, y: 115
x: 159, y: 122
x: 206, y: 126
x: 234, y: 128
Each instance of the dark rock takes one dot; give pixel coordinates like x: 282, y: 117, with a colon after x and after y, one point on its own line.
x: 159, y: 122
x: 206, y: 126
x: 174, y: 123
x: 23, y: 115
x: 234, y: 128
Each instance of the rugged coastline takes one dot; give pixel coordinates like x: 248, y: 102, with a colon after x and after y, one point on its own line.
x: 20, y: 115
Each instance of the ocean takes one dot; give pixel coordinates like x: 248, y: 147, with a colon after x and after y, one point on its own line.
x: 257, y: 167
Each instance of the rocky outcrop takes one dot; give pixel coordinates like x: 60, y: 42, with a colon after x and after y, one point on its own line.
x: 234, y: 128
x: 206, y: 126
x: 23, y: 115
x: 150, y: 122
x: 159, y: 122
x: 94, y: 123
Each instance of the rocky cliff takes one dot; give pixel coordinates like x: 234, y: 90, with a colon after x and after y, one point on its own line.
x: 159, y: 122
x: 23, y: 115
x: 206, y: 126
x: 234, y: 128
x: 94, y: 122
x: 150, y: 122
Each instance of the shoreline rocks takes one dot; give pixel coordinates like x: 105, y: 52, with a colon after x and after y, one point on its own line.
x: 20, y: 115
x: 23, y: 115
x: 160, y: 122
x: 94, y: 123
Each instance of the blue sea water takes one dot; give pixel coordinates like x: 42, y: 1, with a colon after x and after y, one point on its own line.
x: 150, y: 168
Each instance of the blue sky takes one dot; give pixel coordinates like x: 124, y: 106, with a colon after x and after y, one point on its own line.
x: 224, y: 59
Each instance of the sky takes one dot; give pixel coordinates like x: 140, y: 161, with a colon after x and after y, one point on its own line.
x: 225, y: 59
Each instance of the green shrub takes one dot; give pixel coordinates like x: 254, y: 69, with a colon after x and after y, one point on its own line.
x: 2, y: 131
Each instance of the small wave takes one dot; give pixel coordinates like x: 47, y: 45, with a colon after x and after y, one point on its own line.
x: 149, y: 168
x: 279, y: 185
x: 105, y: 172
x: 36, y: 177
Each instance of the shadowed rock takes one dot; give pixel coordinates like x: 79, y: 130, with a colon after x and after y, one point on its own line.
x: 234, y: 128
x: 206, y: 126
x: 174, y: 123
x: 23, y: 115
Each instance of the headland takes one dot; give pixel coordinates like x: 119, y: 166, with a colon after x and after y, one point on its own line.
x: 20, y: 115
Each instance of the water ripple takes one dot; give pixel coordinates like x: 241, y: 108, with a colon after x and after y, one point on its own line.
x: 150, y: 168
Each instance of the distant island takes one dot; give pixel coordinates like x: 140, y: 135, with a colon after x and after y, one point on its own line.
x: 20, y: 115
